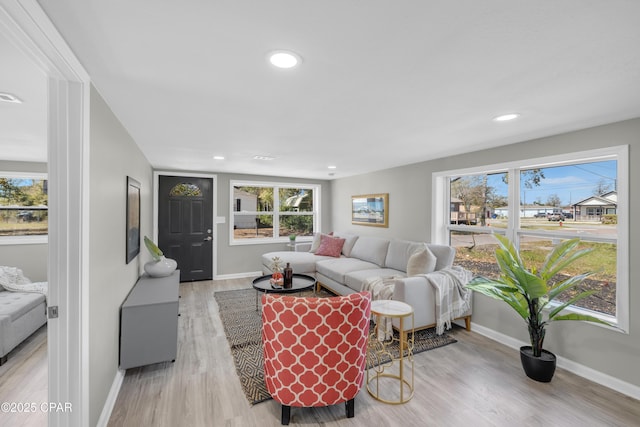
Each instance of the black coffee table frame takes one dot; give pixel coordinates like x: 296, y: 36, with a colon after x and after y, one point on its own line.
x: 300, y: 282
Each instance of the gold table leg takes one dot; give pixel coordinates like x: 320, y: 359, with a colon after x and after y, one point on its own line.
x: 378, y: 350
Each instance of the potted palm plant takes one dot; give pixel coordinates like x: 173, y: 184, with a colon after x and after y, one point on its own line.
x: 530, y: 292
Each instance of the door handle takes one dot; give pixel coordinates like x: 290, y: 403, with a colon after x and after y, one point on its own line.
x: 208, y: 239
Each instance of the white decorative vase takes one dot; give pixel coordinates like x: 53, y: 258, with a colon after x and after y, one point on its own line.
x: 160, y: 268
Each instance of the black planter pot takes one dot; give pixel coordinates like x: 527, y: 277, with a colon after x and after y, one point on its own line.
x: 538, y: 368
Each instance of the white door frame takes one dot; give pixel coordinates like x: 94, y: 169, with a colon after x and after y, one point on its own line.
x: 25, y: 23
x: 214, y: 187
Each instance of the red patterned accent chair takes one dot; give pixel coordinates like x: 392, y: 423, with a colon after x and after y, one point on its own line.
x: 315, y: 349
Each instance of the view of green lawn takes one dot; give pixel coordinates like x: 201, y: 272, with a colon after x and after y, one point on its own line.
x: 478, y: 256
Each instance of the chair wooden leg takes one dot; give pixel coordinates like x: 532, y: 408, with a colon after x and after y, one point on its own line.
x: 467, y: 323
x: 286, y: 415
x: 351, y: 407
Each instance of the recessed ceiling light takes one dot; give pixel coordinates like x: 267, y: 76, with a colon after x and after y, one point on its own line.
x: 7, y: 97
x: 218, y: 157
x: 263, y: 157
x: 332, y: 167
x: 506, y: 117
x: 284, y: 59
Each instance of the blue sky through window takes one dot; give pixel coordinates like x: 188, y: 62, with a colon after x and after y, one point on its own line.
x: 572, y: 183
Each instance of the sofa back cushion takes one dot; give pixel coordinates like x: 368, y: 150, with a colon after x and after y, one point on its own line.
x: 372, y: 249
x: 349, y: 241
x: 399, y: 252
x: 444, y: 255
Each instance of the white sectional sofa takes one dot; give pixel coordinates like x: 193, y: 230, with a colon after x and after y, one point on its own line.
x: 365, y: 257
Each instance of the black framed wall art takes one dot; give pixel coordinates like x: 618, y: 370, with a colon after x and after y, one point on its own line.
x: 133, y: 219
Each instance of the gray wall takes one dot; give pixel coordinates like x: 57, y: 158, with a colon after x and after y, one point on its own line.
x: 409, y: 189
x: 31, y: 258
x: 113, y: 156
x: 241, y: 259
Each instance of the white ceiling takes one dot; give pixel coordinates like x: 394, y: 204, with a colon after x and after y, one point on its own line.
x: 382, y: 83
x: 23, y: 127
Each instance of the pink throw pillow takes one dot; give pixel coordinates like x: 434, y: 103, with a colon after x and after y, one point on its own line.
x: 315, y: 244
x: 330, y: 246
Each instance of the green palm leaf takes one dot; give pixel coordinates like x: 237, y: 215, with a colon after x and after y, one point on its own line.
x: 566, y: 304
x: 154, y: 250
x: 500, y: 291
x: 583, y: 317
x: 567, y: 284
x: 561, y: 256
x: 529, y: 293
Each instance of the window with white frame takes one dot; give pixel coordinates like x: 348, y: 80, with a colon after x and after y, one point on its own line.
x: 266, y: 212
x: 537, y: 203
x: 23, y: 207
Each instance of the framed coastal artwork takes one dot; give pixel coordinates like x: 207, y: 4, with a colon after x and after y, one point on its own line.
x: 370, y: 209
x: 133, y: 219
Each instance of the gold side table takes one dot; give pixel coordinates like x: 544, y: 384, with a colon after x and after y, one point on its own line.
x: 388, y: 380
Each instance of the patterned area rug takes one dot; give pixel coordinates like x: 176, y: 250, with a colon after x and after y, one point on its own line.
x: 243, y: 325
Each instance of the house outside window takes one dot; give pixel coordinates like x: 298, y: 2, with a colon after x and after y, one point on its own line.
x: 266, y: 212
x: 537, y: 203
x: 24, y: 211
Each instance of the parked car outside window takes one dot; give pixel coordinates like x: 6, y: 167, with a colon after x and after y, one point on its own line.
x: 556, y: 217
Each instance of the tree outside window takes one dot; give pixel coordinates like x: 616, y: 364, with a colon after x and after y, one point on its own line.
x: 551, y: 203
x: 23, y: 206
x: 260, y: 217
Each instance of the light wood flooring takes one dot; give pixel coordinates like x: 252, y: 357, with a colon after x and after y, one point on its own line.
x: 23, y: 379
x: 474, y: 382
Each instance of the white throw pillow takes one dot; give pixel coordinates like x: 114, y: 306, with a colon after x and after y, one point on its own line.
x: 423, y: 261
x: 315, y: 244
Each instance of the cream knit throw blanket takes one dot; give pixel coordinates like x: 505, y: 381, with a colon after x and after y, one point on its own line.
x: 12, y: 279
x: 453, y: 299
x: 381, y: 288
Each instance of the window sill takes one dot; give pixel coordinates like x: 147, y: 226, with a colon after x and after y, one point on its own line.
x: 24, y: 240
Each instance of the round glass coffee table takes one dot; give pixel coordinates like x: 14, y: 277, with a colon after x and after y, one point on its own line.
x: 300, y: 282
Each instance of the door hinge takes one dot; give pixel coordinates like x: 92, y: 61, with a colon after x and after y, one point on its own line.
x: 52, y: 312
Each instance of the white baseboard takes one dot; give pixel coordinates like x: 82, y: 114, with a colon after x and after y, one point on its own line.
x: 571, y: 366
x: 111, y: 399
x: 237, y: 275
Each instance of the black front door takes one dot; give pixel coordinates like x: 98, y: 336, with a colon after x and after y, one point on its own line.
x: 185, y: 224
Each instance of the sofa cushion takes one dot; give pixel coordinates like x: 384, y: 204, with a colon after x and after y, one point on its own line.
x: 423, y: 261
x: 355, y: 279
x: 337, y: 268
x: 399, y: 253
x: 16, y: 304
x: 301, y: 262
x: 444, y: 254
x: 371, y: 249
x: 349, y: 241
x: 330, y: 246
